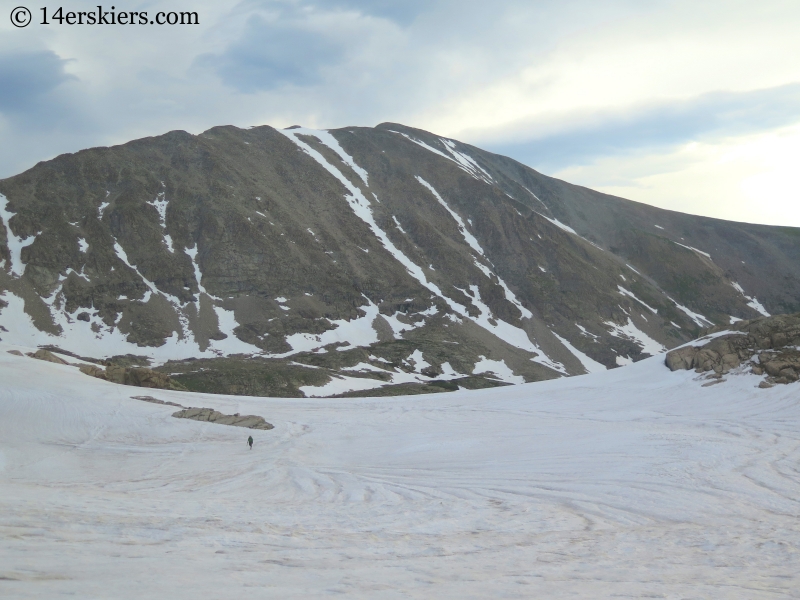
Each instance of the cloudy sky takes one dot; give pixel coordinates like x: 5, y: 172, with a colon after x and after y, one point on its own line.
x: 687, y: 105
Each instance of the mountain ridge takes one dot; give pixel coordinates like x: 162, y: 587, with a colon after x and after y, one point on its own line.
x: 365, y: 256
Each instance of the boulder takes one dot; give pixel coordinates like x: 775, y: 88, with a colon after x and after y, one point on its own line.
x: 48, y: 356
x: 681, y: 358
x: 730, y: 361
x: 93, y: 371
x: 774, y: 367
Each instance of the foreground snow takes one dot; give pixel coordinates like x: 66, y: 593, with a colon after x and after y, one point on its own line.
x: 635, y: 482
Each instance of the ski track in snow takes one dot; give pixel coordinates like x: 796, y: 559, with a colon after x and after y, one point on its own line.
x: 634, y: 482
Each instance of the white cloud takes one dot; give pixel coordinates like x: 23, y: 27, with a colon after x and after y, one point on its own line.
x: 498, y: 74
x: 752, y: 178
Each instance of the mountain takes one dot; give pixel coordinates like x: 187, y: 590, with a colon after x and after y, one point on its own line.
x: 380, y: 260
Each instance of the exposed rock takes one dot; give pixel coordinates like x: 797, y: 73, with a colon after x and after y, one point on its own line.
x: 137, y: 376
x: 16, y: 353
x: 681, y: 358
x: 768, y: 345
x: 157, y: 401
x: 93, y: 371
x: 713, y: 382
x: 210, y: 415
x: 43, y: 354
x: 213, y: 416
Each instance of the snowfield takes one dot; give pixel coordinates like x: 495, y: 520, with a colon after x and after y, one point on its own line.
x: 635, y: 482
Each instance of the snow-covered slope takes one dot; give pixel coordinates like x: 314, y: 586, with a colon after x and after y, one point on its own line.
x: 635, y: 482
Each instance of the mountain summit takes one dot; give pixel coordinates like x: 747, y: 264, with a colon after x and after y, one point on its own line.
x: 389, y: 259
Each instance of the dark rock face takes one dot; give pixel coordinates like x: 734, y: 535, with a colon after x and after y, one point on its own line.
x: 768, y: 345
x: 259, y: 243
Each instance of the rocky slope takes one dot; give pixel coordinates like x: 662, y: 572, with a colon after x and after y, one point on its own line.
x: 360, y: 260
x: 768, y: 346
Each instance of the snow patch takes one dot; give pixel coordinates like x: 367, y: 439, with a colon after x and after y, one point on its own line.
x: 568, y: 229
x: 398, y: 326
x: 15, y: 243
x: 752, y: 301
x: 591, y: 365
x: 340, y: 384
x: 362, y: 208
x: 397, y: 223
x: 331, y: 142
x: 706, y: 254
x: 498, y: 368
x: 417, y: 360
x: 466, y: 162
x: 699, y: 319
x: 630, y: 294
x: 475, y: 245
x: 354, y: 333
x: 630, y: 331
x: 632, y: 269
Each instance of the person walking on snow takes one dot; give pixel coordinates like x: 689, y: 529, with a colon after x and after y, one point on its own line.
x: 250, y: 442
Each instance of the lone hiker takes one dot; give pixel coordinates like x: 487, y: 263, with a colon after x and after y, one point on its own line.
x: 250, y: 442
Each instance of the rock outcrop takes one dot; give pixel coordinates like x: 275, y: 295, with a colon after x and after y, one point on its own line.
x: 136, y: 376
x: 210, y: 415
x: 768, y: 345
x: 213, y: 416
x: 48, y: 356
x: 157, y: 401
